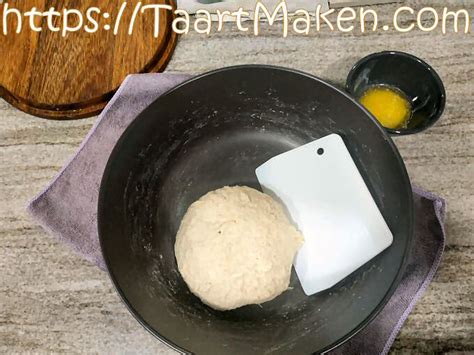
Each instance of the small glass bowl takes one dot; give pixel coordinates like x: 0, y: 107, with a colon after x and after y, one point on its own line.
x: 417, y: 80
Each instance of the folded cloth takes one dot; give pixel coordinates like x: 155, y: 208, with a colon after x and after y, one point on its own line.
x: 67, y: 208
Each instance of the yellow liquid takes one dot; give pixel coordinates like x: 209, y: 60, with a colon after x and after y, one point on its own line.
x: 388, y: 106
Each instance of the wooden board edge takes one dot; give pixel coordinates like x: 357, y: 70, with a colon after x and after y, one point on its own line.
x: 93, y: 107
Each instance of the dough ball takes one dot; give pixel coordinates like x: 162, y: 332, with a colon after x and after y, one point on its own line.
x: 235, y: 246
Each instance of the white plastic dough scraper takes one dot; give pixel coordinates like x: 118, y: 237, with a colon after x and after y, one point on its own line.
x: 327, y: 198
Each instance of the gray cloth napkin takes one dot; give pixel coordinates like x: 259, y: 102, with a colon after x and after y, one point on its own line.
x: 67, y: 208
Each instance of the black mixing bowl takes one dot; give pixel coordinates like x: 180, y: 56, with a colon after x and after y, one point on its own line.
x: 214, y: 130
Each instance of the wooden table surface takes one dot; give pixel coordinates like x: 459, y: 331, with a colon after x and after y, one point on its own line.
x: 52, y: 301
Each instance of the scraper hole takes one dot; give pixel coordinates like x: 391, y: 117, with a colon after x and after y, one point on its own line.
x: 320, y: 151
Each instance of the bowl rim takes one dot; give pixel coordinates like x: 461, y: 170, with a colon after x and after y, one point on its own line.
x: 108, y: 174
x: 403, y: 131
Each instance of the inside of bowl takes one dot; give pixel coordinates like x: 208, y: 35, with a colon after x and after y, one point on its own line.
x: 412, y: 77
x: 174, y: 153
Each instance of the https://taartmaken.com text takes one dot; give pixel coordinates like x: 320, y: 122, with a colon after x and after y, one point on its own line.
x: 301, y: 22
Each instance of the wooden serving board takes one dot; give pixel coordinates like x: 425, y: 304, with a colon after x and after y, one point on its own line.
x: 56, y: 77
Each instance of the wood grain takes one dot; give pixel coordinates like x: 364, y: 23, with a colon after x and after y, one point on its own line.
x: 52, y: 301
x: 74, y: 76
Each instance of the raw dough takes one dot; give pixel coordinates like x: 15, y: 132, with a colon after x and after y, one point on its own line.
x: 235, y: 246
